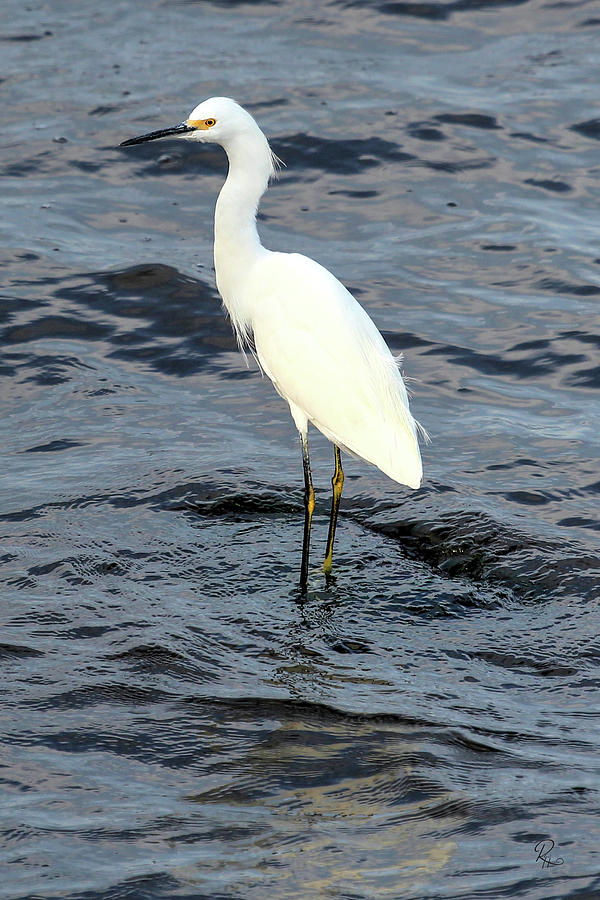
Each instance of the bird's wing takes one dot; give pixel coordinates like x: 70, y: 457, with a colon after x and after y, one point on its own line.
x: 325, y: 356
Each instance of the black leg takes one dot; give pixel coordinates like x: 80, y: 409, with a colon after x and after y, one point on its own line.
x: 338, y: 483
x: 309, y: 506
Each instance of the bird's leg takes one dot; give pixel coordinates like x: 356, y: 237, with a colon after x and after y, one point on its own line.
x: 309, y: 506
x: 338, y: 483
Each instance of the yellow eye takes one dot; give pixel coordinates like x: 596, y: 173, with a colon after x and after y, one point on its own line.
x: 210, y: 122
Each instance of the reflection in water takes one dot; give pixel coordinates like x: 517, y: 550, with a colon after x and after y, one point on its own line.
x: 179, y: 722
x: 329, y: 772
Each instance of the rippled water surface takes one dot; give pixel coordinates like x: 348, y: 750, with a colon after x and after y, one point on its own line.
x: 176, y: 720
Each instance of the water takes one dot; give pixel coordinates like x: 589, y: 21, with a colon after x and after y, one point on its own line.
x: 176, y: 721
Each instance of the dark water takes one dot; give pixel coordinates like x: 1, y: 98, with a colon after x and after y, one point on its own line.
x: 176, y: 723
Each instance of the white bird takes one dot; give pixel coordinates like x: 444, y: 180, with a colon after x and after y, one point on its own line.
x: 316, y: 343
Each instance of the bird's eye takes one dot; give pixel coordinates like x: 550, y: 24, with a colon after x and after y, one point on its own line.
x: 209, y: 122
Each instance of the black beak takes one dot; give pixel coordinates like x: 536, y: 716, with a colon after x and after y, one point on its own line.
x: 153, y: 135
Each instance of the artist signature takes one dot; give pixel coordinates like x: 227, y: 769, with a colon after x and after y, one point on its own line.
x: 543, y: 849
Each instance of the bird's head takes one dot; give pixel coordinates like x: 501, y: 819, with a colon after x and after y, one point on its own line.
x: 216, y: 121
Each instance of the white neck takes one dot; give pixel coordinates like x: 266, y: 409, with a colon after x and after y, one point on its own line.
x: 237, y: 244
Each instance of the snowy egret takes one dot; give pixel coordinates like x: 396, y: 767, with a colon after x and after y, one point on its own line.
x: 318, y: 346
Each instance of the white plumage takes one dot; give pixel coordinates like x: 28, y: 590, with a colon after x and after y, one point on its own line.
x: 328, y: 360
x: 315, y: 342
